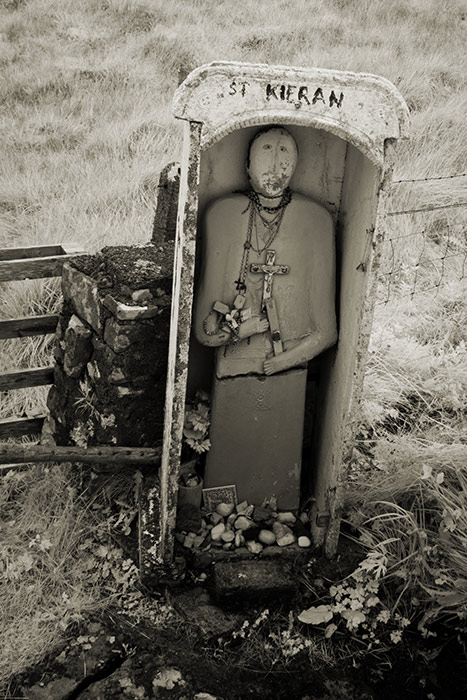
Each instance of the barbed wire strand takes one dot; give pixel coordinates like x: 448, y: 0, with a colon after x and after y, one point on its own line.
x: 429, y: 208
x: 429, y: 179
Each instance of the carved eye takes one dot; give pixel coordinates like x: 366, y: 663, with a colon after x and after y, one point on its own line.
x: 283, y: 149
x: 267, y: 147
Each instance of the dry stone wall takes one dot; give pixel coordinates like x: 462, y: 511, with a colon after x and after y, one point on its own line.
x: 111, y: 348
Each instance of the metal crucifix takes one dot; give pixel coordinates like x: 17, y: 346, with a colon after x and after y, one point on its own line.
x: 269, y: 269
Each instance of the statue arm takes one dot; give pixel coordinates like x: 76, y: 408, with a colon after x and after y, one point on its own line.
x: 210, y: 287
x: 207, y: 323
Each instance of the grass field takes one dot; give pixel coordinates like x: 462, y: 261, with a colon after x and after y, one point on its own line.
x: 86, y: 126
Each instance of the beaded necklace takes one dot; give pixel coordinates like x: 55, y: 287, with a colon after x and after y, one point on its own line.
x: 234, y: 315
x: 254, y: 208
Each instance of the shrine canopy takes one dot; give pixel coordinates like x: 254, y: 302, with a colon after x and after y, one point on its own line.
x: 360, y: 108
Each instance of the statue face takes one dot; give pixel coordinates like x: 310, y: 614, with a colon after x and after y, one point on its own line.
x: 273, y: 157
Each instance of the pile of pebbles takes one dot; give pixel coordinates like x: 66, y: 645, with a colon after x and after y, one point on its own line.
x: 244, y: 525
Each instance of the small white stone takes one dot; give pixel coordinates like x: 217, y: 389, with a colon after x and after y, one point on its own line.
x: 189, y: 541
x: 304, y: 541
x: 280, y: 529
x: 141, y: 295
x: 286, y: 517
x: 242, y: 523
x: 254, y: 547
x: 215, y: 518
x: 242, y: 506
x: 239, y: 539
x: 228, y: 536
x: 286, y: 540
x: 266, y: 537
x: 225, y: 509
x: 216, y: 532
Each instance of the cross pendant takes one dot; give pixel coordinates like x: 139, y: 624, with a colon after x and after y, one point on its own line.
x: 269, y: 269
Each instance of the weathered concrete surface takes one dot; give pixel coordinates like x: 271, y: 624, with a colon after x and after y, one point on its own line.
x: 253, y: 579
x: 180, y: 330
x: 196, y: 607
x: 358, y: 107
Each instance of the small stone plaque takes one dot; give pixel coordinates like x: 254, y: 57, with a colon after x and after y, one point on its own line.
x: 219, y: 494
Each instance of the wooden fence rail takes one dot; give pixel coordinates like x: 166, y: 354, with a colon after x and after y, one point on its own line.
x: 25, y: 454
x: 33, y: 262
x: 24, y: 327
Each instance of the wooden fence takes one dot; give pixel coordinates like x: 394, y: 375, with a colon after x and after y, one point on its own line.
x: 39, y: 262
x: 35, y: 262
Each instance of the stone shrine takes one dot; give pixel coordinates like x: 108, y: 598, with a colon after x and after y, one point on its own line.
x: 345, y: 127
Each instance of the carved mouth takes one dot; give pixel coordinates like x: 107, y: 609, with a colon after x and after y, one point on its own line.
x: 273, y: 183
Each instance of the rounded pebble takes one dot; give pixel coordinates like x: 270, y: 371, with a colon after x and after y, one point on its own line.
x: 225, y: 509
x: 286, y: 540
x: 239, y: 539
x: 304, y: 541
x: 242, y: 523
x: 228, y: 536
x: 189, y: 541
x: 280, y: 529
x: 266, y: 537
x: 215, y: 518
x: 217, y: 531
x: 286, y: 517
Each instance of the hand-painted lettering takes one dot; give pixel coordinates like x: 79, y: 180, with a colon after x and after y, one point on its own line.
x: 271, y: 91
x: 333, y: 99
x: 297, y: 95
x: 303, y: 94
x: 244, y: 86
x: 290, y: 90
x: 318, y: 96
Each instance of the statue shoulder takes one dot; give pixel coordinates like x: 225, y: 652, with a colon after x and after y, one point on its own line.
x: 231, y: 203
x: 224, y: 218
x: 314, y: 211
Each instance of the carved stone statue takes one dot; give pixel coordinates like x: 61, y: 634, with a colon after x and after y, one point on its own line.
x: 266, y: 302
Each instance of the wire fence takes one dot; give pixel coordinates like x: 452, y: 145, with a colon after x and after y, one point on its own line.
x: 425, y: 247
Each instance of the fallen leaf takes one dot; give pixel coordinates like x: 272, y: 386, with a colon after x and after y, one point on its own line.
x: 316, y: 615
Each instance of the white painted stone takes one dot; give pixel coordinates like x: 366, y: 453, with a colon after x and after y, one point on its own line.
x: 285, y: 540
x: 254, y: 547
x: 217, y: 531
x: 266, y: 537
x: 286, y: 517
x: 225, y: 509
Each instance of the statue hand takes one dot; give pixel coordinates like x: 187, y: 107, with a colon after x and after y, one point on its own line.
x: 252, y: 326
x: 275, y: 363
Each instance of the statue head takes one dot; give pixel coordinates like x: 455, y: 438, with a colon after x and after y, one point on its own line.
x: 271, y: 161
